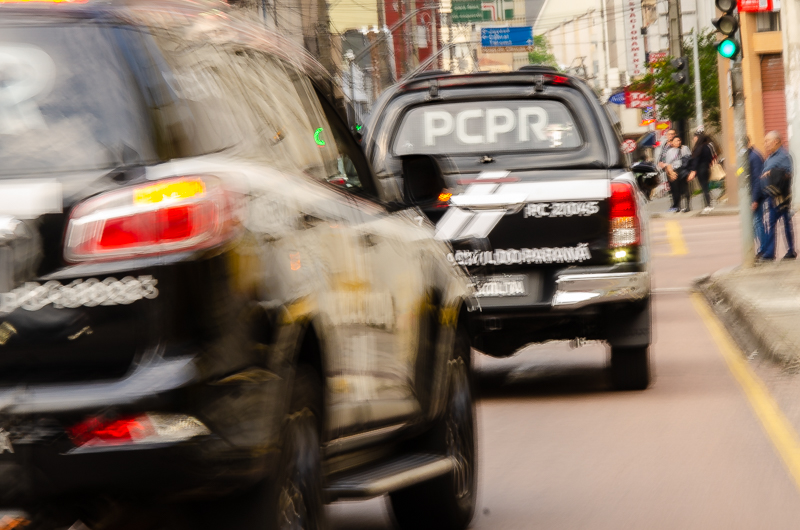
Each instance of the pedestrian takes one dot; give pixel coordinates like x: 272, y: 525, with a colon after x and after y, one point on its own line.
x: 677, y: 169
x: 756, y: 161
x: 776, y: 185
x: 703, y: 156
x: 662, y: 166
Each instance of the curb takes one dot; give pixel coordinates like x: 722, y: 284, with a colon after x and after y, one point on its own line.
x: 753, y: 333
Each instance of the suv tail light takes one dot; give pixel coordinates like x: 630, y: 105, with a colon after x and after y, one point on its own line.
x: 171, y: 215
x: 144, y: 428
x: 624, y: 216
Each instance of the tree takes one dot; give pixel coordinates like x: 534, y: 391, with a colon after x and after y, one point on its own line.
x: 676, y: 101
x: 541, y: 52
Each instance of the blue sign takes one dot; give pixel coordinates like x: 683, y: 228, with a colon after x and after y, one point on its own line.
x: 618, y: 98
x: 513, y: 36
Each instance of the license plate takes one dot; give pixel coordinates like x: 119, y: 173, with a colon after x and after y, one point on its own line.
x: 501, y: 286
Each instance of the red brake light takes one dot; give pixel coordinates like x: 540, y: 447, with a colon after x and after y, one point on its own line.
x: 172, y: 215
x: 623, y: 215
x: 119, y: 431
x: 552, y: 79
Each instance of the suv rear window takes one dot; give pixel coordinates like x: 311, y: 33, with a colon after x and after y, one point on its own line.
x: 67, y: 101
x: 491, y: 126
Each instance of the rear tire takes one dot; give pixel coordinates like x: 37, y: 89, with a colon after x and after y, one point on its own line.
x: 630, y: 368
x: 447, y: 502
x: 292, y: 499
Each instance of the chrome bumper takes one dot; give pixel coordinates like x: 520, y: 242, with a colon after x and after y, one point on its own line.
x: 580, y: 290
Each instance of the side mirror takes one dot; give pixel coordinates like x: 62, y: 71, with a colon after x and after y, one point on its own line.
x: 646, y: 177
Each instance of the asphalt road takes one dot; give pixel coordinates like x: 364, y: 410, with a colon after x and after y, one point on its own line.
x: 559, y: 450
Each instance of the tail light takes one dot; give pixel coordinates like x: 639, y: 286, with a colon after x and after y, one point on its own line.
x: 144, y: 428
x: 624, y: 216
x: 178, y: 214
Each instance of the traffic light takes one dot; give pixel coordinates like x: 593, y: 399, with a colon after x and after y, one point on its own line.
x: 728, y: 26
x: 681, y: 67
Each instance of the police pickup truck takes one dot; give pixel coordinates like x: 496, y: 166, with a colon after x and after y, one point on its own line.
x: 523, y: 173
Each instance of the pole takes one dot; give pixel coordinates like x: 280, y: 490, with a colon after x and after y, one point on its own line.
x: 743, y: 167
x: 698, y: 93
x: 353, y: 90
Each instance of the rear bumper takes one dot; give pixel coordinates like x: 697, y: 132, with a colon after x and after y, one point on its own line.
x: 574, y: 291
x: 596, y: 303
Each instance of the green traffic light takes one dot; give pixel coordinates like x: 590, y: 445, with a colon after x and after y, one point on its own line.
x: 728, y: 48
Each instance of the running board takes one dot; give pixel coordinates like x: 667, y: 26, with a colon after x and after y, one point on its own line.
x: 389, y: 476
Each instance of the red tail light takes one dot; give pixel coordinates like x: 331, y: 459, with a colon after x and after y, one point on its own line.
x: 119, y: 431
x: 141, y: 429
x: 552, y: 79
x: 172, y: 215
x: 624, y: 216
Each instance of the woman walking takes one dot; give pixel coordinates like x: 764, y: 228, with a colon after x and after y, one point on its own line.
x: 677, y: 162
x: 703, y: 156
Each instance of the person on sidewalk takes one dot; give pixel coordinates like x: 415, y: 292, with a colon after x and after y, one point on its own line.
x: 776, y: 183
x: 702, y: 157
x: 662, y: 166
x: 677, y: 169
x: 756, y: 161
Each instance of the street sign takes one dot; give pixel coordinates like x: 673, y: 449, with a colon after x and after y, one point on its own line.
x: 467, y: 11
x: 656, y: 57
x: 755, y: 6
x: 637, y: 100
x: 663, y: 125
x: 618, y: 98
x: 516, y: 38
x: 628, y: 146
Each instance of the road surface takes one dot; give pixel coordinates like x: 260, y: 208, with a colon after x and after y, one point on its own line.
x: 559, y: 450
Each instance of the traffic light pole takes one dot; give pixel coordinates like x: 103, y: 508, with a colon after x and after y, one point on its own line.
x: 742, y: 165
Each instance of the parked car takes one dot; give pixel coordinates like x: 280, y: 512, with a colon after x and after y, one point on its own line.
x: 203, y: 296
x: 527, y: 166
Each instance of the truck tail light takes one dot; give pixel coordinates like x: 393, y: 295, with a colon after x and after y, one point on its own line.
x: 624, y: 216
x: 177, y: 214
x: 144, y: 428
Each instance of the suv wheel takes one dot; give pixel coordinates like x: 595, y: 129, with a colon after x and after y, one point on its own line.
x: 447, y: 502
x: 630, y: 368
x: 298, y: 497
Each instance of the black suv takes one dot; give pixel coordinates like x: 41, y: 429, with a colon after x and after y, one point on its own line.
x: 523, y: 173
x: 208, y: 316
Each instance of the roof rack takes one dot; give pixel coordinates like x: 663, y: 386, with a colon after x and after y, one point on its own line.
x: 430, y: 73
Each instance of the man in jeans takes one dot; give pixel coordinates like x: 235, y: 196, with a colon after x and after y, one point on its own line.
x: 756, y: 161
x: 776, y: 182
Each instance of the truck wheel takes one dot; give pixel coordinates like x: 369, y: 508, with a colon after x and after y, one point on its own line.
x: 630, y: 368
x: 446, y: 502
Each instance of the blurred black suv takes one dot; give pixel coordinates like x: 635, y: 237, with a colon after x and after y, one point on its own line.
x: 202, y: 295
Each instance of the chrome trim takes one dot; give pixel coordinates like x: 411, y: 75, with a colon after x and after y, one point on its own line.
x: 580, y: 290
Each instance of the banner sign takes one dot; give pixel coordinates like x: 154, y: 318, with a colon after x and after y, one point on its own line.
x: 656, y: 57
x: 637, y: 100
x: 755, y: 6
x: 618, y: 98
x: 634, y: 39
x: 467, y: 11
x: 663, y: 125
x: 648, y: 116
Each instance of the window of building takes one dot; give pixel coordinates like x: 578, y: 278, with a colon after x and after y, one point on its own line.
x: 768, y: 21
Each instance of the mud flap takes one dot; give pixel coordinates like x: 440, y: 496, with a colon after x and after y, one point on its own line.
x: 629, y: 327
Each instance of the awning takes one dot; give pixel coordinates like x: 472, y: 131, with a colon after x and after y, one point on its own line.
x: 648, y: 140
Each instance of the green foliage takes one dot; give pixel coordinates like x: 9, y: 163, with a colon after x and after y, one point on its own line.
x: 541, y: 52
x: 677, y: 101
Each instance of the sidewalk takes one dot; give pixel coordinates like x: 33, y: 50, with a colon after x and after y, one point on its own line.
x: 760, y: 307
x: 657, y: 208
